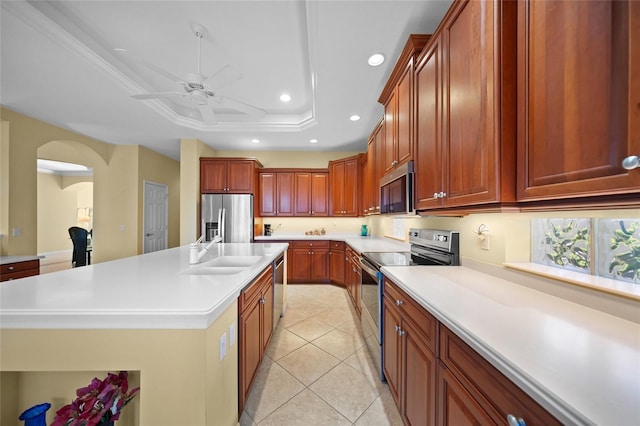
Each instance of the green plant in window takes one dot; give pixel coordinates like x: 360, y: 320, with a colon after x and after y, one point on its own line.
x: 626, y: 263
x: 569, y: 245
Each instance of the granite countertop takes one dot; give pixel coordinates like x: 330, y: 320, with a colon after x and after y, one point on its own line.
x: 159, y: 290
x: 581, y: 364
x: 16, y: 259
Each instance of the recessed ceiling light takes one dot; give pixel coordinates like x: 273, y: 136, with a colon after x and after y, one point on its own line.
x: 313, y: 141
x: 120, y: 49
x: 285, y: 97
x: 354, y: 117
x: 376, y: 59
x: 255, y: 140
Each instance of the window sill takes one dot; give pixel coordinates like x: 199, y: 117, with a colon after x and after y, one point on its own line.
x: 606, y: 285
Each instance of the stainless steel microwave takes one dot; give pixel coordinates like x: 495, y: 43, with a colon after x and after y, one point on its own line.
x: 396, y: 191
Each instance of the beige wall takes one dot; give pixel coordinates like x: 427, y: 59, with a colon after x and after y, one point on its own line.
x: 119, y: 171
x: 57, y: 211
x: 182, y: 381
x: 509, y: 233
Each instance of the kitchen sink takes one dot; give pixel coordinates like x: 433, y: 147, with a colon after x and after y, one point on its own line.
x: 233, y: 261
x: 216, y: 270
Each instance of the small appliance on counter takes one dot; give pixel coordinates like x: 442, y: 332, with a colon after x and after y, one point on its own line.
x: 267, y: 230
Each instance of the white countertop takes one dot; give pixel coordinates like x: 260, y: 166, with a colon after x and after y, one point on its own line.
x: 357, y: 242
x: 581, y: 364
x: 151, y: 291
x: 15, y: 259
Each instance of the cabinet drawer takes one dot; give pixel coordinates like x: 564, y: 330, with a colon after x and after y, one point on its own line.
x: 337, y: 245
x: 19, y: 274
x: 310, y: 244
x: 253, y: 290
x: 486, y: 384
x: 19, y: 266
x: 424, y: 322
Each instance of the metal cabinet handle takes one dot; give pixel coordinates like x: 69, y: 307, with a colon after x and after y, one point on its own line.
x: 397, y: 328
x: 631, y: 162
x: 399, y: 303
x: 263, y: 300
x: 515, y: 421
x: 435, y: 195
x: 11, y: 268
x: 401, y: 333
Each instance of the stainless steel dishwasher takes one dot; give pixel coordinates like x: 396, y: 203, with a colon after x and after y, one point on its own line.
x: 278, y: 290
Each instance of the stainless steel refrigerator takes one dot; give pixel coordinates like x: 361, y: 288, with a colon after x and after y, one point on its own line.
x: 227, y: 215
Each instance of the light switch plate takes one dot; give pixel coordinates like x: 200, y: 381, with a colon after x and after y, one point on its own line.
x: 232, y: 333
x: 223, y: 346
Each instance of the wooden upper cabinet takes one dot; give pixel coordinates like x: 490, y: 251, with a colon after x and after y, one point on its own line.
x: 311, y: 194
x: 579, y: 99
x: 345, y: 181
x: 465, y: 109
x: 228, y: 175
x: 294, y: 192
x: 397, y: 98
x: 372, y: 172
x: 268, y: 206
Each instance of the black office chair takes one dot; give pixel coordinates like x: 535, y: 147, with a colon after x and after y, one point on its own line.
x: 79, y: 237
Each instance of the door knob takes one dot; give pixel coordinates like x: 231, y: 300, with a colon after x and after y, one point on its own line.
x: 149, y: 234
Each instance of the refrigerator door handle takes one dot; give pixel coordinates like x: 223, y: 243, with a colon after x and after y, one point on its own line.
x: 223, y: 213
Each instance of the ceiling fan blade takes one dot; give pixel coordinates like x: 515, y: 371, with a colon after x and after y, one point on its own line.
x: 207, y: 114
x: 223, y: 77
x: 157, y: 95
x: 240, y: 106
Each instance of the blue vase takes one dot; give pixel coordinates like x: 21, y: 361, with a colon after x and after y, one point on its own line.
x: 36, y: 415
x: 363, y: 230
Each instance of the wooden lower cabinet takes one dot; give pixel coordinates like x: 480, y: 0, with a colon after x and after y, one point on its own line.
x: 12, y: 271
x: 255, y: 322
x: 352, y: 278
x: 337, y: 262
x: 437, y: 379
x: 472, y: 391
x: 309, y: 262
x: 409, y: 360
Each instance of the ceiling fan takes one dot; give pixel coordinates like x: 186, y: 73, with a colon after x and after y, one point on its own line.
x: 202, y: 91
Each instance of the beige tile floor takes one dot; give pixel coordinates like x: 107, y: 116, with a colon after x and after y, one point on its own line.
x: 317, y: 370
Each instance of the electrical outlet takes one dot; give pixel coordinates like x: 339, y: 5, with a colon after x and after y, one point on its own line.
x: 121, y: 228
x: 223, y: 346
x: 16, y: 232
x: 484, y: 245
x: 232, y: 333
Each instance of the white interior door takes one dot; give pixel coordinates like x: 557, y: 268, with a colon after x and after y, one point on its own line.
x: 156, y: 217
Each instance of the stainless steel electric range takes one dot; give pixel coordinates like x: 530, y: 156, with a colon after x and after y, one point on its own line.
x: 428, y: 247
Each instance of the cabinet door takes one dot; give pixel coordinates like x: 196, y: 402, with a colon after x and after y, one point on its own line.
x: 213, y: 176
x: 428, y: 162
x: 268, y: 193
x: 251, y: 347
x: 390, y: 132
x: 303, y: 188
x: 284, y: 191
x: 404, y: 123
x: 240, y: 176
x: 457, y: 407
x: 391, y: 349
x: 320, y: 194
x: 380, y: 169
x: 419, y: 373
x: 352, y: 189
x: 300, y: 266
x: 338, y: 176
x: 470, y: 123
x: 337, y: 267
x: 578, y: 98
x: 319, y: 265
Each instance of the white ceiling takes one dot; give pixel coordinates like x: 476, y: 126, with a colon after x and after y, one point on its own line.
x: 58, y: 64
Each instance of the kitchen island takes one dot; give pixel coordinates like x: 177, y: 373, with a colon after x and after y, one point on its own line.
x: 155, y: 315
